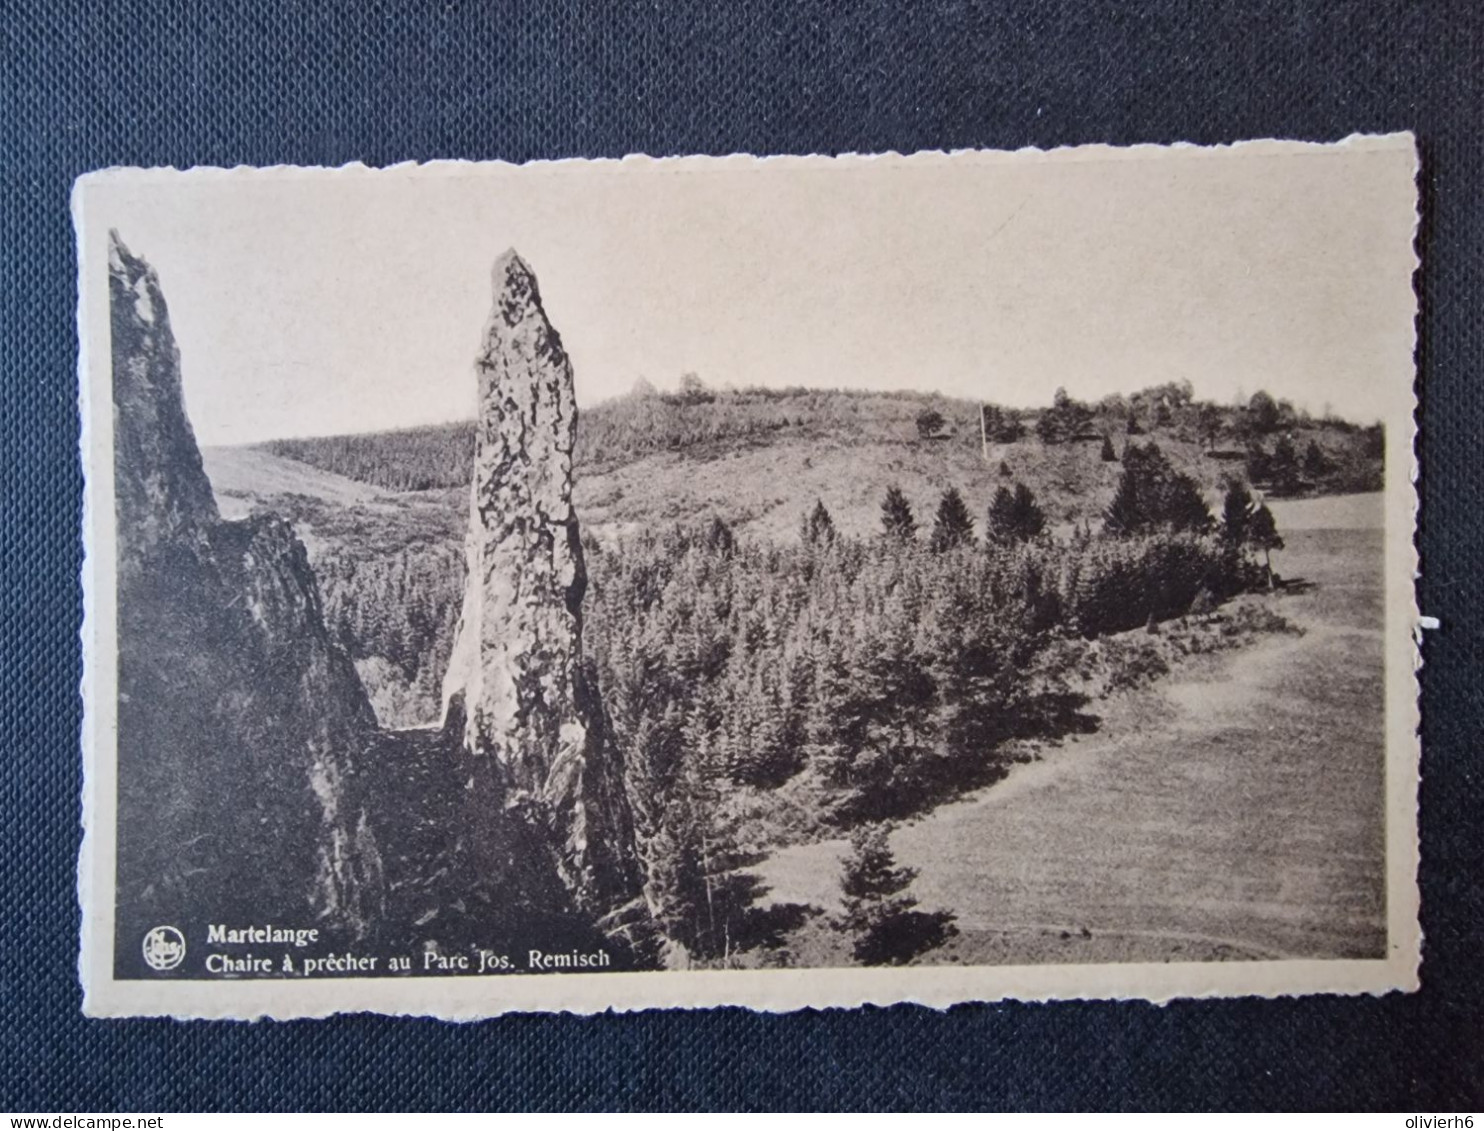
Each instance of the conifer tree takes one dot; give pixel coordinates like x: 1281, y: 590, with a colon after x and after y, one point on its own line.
x: 818, y: 528
x: 675, y: 887
x: 884, y: 924
x: 1152, y: 496
x: 1014, y: 516
x: 1285, y: 466
x: 1237, y: 510
x: 897, y: 521
x: 719, y: 538
x: 703, y: 899
x: 1185, y: 509
x: 1027, y: 519
x: 998, y: 521
x: 762, y: 755
x: 886, y: 721
x: 952, y: 526
x: 1132, y: 510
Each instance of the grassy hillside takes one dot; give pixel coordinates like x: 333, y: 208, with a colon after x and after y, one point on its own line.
x: 629, y: 428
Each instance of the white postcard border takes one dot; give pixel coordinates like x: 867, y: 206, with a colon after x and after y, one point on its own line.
x: 473, y: 997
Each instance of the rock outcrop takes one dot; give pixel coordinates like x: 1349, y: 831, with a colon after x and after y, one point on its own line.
x: 517, y: 695
x: 239, y: 721
x: 254, y: 785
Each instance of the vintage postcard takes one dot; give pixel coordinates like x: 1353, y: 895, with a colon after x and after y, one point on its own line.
x: 777, y: 582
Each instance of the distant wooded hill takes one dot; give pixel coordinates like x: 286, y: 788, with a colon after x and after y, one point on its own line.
x: 619, y: 430
x: 776, y: 449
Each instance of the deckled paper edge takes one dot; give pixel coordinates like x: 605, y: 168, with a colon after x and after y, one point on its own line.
x: 88, y: 849
x: 775, y: 991
x: 733, y: 162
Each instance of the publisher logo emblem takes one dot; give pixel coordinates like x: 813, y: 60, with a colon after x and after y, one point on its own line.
x: 164, y: 948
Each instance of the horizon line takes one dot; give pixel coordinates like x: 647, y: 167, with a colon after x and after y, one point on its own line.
x: 731, y: 389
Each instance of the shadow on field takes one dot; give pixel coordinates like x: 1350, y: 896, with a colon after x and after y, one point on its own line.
x: 981, y: 754
x: 1293, y: 586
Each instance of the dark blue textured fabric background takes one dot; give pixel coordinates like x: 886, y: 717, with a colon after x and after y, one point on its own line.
x: 246, y: 81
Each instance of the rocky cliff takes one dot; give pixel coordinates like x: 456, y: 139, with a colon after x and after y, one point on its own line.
x: 254, y: 785
x: 239, y: 722
x: 517, y: 695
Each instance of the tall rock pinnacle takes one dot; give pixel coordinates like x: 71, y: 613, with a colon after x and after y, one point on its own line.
x: 163, y: 491
x: 239, y: 721
x: 516, y: 690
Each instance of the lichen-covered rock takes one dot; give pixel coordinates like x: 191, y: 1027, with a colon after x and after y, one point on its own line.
x: 239, y: 721
x: 517, y: 692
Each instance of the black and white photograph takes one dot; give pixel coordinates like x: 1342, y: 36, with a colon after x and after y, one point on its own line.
x: 777, y: 582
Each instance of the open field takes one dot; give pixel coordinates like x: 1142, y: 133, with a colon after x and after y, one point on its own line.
x: 1233, y: 810
x: 240, y: 476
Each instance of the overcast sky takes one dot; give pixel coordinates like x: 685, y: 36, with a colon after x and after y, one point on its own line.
x: 309, y: 305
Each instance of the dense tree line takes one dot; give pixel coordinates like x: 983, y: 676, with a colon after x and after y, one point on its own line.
x: 412, y: 459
